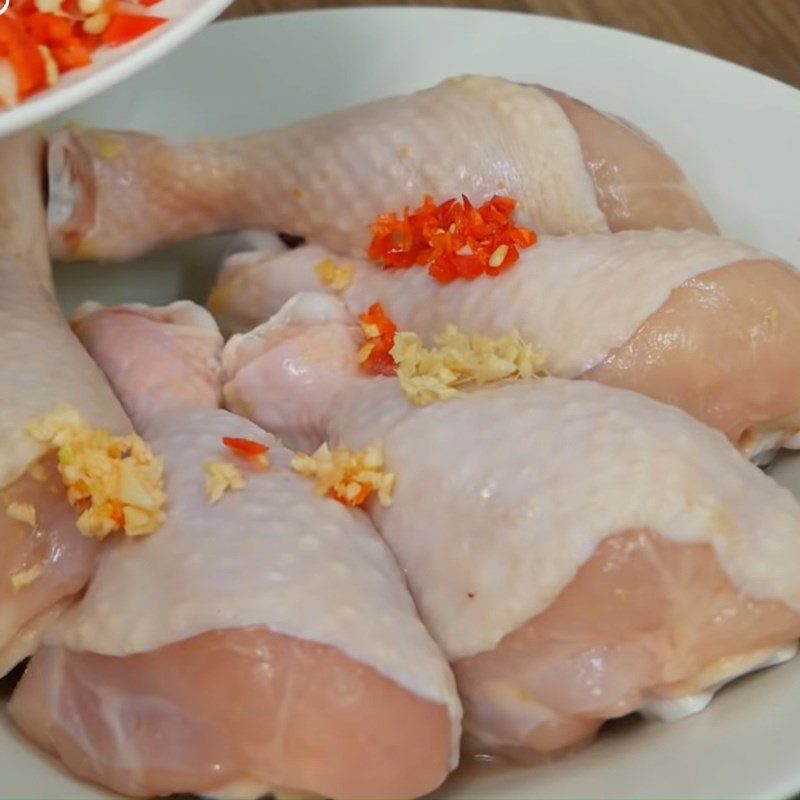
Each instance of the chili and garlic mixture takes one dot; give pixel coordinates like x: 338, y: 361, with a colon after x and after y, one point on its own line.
x: 115, y: 483
x: 427, y: 374
x: 225, y: 476
x: 346, y: 475
x: 40, y: 40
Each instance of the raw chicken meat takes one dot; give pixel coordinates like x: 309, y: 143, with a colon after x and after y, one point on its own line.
x: 45, y: 564
x: 309, y: 350
x: 573, y: 170
x: 579, y: 552
x: 709, y: 325
x: 155, y: 357
x: 263, y: 642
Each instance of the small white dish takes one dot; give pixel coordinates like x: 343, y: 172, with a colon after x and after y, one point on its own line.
x: 112, y: 65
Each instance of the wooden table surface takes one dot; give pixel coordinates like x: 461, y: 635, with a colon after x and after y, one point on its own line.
x: 761, y: 34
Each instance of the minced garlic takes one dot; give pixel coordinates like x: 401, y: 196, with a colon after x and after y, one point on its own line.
x: 221, y: 477
x: 335, y: 276
x: 90, y: 6
x: 427, y: 374
x: 19, y: 580
x: 348, y: 476
x: 51, y: 70
x: 115, y: 482
x: 22, y: 512
x: 37, y: 472
x: 96, y: 24
x: 48, y: 6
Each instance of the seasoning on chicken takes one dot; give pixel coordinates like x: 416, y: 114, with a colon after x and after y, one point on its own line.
x: 579, y: 552
x: 44, y: 561
x: 115, y: 483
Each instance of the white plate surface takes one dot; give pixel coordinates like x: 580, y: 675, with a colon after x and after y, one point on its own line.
x: 111, y: 65
x: 735, y: 132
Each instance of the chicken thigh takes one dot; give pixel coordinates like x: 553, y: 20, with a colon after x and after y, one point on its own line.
x: 709, y: 325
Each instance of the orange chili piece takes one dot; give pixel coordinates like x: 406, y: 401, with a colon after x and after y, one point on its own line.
x: 117, y: 513
x: 124, y: 28
x: 23, y: 55
x: 245, y: 447
x: 453, y: 239
x: 379, y: 331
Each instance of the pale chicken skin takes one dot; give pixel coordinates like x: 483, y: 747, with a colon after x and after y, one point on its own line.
x: 44, y: 563
x: 155, y: 358
x: 116, y: 195
x: 579, y: 552
x: 263, y: 642
x: 705, y: 324
x: 311, y: 359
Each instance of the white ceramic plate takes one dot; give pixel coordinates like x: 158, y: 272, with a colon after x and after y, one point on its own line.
x: 111, y: 65
x: 736, y: 134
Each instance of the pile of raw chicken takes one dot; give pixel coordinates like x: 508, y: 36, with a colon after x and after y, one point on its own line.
x: 428, y: 498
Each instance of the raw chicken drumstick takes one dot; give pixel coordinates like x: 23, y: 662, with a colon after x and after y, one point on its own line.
x: 579, y: 552
x: 573, y: 169
x: 263, y: 642
x: 709, y: 325
x: 44, y: 560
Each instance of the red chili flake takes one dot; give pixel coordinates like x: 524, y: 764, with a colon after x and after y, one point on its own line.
x: 454, y: 240
x: 124, y: 28
x: 117, y: 513
x: 245, y: 447
x: 379, y: 331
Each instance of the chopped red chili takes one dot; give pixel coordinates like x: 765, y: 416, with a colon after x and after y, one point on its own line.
x: 453, y: 239
x: 245, y: 447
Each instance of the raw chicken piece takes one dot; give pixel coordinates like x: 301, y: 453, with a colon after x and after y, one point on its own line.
x: 709, y: 325
x: 155, y: 358
x: 572, y: 168
x: 309, y: 350
x: 266, y: 641
x: 44, y: 565
x: 579, y: 552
